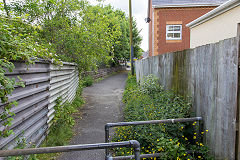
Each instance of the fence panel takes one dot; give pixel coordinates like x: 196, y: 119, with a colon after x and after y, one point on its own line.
x: 64, y: 83
x: 30, y: 120
x: 209, y: 74
x: 44, y: 82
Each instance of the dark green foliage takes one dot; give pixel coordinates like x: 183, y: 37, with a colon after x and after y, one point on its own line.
x: 88, y: 81
x: 149, y: 101
x: 67, y: 30
x: 122, y: 49
x: 89, y: 35
x: 18, y: 41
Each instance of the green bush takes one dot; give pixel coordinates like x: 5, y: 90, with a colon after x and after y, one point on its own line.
x: 88, y: 81
x: 18, y: 41
x: 149, y: 101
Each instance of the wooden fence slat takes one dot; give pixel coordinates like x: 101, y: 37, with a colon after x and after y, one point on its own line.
x: 210, y: 75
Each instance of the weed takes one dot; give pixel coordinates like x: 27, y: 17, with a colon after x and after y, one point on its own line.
x: 61, y: 130
x: 88, y: 81
x: 149, y: 101
x: 21, y: 144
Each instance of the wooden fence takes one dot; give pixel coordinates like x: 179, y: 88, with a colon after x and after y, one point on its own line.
x: 209, y: 74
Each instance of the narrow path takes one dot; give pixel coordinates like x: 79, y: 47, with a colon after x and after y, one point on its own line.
x: 103, y: 105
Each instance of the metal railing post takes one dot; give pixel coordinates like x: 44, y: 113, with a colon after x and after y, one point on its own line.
x: 110, y: 125
x: 137, y: 149
x: 107, y: 140
x: 19, y: 152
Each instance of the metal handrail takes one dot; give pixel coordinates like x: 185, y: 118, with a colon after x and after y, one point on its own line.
x: 155, y: 155
x: 111, y: 125
x: 18, y: 152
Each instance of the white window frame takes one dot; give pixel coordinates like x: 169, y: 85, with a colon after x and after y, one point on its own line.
x: 167, y: 31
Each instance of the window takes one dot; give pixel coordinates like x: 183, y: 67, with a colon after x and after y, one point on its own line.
x: 174, y: 32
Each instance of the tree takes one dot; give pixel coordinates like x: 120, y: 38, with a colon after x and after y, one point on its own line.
x: 71, y: 30
x: 121, y: 51
x: 76, y: 30
x: 6, y: 8
x: 88, y: 35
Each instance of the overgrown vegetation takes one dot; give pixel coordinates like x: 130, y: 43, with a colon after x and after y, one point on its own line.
x: 21, y: 144
x: 18, y: 41
x: 91, y: 36
x: 149, y: 101
x: 61, y: 130
x: 59, y: 30
x: 88, y: 80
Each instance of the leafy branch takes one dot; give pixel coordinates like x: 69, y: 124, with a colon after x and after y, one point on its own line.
x: 7, y: 86
x: 18, y: 41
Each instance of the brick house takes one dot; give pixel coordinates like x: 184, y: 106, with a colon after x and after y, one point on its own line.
x: 167, y: 22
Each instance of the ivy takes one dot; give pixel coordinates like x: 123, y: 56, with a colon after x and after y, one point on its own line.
x: 7, y: 87
x: 18, y: 41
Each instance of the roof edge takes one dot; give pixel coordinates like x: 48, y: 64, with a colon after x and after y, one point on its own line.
x: 186, y: 5
x: 215, y: 12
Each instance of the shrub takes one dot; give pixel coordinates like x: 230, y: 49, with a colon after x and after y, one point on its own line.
x: 149, y: 101
x: 18, y: 41
x: 22, y: 144
x: 88, y: 81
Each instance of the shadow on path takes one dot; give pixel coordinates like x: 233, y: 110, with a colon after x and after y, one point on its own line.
x: 103, y: 105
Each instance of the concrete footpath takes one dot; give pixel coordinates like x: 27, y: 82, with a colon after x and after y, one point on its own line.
x: 103, y: 105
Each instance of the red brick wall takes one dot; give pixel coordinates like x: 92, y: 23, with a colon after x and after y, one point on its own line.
x: 165, y: 16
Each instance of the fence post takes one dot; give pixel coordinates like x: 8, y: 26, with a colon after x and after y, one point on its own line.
x: 136, y: 145
x: 107, y: 155
x: 237, y: 146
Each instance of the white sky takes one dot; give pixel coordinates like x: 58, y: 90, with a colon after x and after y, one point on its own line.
x: 139, y: 11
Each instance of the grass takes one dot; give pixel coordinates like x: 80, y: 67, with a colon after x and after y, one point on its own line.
x: 88, y: 81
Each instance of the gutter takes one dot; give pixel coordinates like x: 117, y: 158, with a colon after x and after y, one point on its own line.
x: 214, y: 13
x: 186, y: 5
x: 148, y: 19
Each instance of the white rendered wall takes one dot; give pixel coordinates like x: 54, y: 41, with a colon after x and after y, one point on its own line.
x: 219, y: 28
